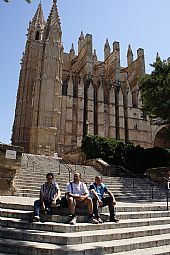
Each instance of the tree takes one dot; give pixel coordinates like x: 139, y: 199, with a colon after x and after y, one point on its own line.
x: 155, y: 91
x: 7, y: 1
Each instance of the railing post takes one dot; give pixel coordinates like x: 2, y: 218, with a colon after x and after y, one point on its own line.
x: 152, y: 190
x: 133, y: 183
x: 167, y: 192
x: 167, y: 198
x: 59, y: 169
x: 69, y: 176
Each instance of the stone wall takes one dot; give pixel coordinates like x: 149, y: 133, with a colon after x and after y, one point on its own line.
x: 10, y: 161
x: 159, y: 174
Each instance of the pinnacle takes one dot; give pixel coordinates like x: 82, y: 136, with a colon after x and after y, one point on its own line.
x: 107, y: 43
x: 38, y: 18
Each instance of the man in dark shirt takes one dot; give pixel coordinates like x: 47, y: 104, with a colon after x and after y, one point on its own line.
x: 49, y: 196
x: 97, y: 190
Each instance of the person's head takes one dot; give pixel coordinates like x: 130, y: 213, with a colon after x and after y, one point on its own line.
x: 98, y: 180
x: 77, y: 177
x: 50, y: 177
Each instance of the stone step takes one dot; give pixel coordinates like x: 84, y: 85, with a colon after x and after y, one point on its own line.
x: 69, y: 238
x: 96, y: 248
x: 8, y: 253
x: 125, y: 191
x: 18, y: 214
x: 22, y: 203
x: 114, y: 185
x: 25, y: 214
x: 53, y: 226
x: 118, y: 193
x: 120, y: 197
x: 160, y: 250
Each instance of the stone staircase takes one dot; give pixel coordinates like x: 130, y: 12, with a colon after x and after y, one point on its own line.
x: 144, y: 226
x: 34, y: 168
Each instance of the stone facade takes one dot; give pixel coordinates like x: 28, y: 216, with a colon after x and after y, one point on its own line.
x: 64, y: 96
x: 10, y: 161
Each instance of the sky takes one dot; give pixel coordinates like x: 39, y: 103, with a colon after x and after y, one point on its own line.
x: 142, y: 24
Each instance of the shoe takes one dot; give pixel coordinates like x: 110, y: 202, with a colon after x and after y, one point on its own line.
x: 114, y: 220
x: 73, y: 221
x: 36, y: 219
x: 100, y: 220
x: 93, y: 220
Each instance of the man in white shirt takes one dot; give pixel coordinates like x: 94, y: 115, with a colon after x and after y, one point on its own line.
x: 78, y: 194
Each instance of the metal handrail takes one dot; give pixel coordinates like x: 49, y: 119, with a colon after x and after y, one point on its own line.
x: 70, y: 169
x: 29, y: 159
x: 134, y: 176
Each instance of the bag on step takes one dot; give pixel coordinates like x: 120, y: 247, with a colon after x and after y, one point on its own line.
x: 63, y: 202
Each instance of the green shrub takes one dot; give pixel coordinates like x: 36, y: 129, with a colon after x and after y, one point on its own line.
x: 115, y: 152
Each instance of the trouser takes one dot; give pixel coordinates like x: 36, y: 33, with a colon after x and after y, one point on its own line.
x: 37, y: 207
x: 106, y: 201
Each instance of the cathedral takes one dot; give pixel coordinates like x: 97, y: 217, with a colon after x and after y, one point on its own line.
x: 63, y: 96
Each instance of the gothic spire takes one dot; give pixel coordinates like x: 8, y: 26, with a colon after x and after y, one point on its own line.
x: 129, y: 55
x: 81, y: 36
x: 53, y: 25
x: 129, y: 50
x: 81, y: 42
x: 107, y: 44
x: 94, y: 56
x: 38, y: 19
x: 72, y: 51
x: 53, y: 18
x: 106, y: 49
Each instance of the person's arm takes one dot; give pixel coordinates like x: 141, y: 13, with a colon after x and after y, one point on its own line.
x: 94, y: 193
x: 69, y: 191
x: 83, y: 197
x: 111, y: 195
x: 85, y: 192
x: 56, y: 197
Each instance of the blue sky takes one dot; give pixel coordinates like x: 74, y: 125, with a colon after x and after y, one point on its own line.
x: 143, y: 24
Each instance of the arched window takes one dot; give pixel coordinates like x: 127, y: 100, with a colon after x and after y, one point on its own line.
x: 37, y: 37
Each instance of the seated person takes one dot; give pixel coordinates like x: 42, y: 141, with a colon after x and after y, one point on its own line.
x: 78, y: 194
x: 49, y: 197
x: 97, y: 190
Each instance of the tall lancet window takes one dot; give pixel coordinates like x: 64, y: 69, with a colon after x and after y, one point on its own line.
x: 37, y: 37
